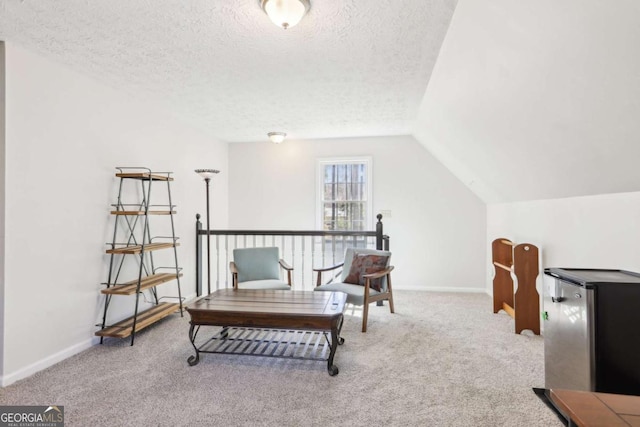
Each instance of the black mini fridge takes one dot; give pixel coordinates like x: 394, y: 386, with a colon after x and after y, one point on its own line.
x: 591, y: 330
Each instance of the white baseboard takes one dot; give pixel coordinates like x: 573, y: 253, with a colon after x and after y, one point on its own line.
x: 189, y: 298
x: 27, y: 371
x: 442, y: 289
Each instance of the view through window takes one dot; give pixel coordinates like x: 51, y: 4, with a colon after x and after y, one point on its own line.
x: 345, y: 194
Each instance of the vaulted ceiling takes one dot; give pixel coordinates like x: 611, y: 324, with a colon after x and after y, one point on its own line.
x: 521, y: 100
x: 538, y: 99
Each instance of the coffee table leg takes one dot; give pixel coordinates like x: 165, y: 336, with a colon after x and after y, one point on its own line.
x: 333, y: 369
x: 224, y: 332
x: 193, y: 360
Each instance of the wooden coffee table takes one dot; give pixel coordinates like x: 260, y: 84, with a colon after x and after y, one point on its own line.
x: 275, y: 323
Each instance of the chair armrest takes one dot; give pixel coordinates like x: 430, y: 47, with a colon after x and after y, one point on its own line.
x: 289, y: 269
x: 286, y: 266
x: 320, y: 270
x: 234, y: 274
x: 378, y: 274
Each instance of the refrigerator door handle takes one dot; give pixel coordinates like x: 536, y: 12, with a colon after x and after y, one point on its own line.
x: 557, y: 299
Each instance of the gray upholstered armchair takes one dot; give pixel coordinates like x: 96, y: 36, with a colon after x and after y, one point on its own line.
x: 258, y: 268
x: 369, y: 280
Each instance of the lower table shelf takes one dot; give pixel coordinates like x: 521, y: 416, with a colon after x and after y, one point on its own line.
x: 295, y: 344
x: 124, y: 328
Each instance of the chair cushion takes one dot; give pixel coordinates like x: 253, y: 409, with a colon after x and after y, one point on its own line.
x: 257, y: 263
x: 362, y: 264
x: 264, y: 284
x: 355, y: 293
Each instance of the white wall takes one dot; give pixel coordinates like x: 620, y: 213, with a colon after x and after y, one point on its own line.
x: 579, y: 232
x: 65, y: 135
x: 2, y: 201
x: 537, y: 99
x: 437, y: 226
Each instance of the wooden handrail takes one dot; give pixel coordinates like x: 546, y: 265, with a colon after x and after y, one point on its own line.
x: 382, y: 240
x: 318, y: 233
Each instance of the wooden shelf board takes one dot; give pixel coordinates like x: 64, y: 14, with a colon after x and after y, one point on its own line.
x: 142, y: 213
x: 129, y: 288
x: 145, y: 176
x: 136, y: 249
x: 123, y: 329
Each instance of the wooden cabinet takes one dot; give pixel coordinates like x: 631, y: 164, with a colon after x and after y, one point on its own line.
x: 131, y: 251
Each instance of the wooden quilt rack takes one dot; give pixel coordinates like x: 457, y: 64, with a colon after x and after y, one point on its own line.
x: 524, y: 305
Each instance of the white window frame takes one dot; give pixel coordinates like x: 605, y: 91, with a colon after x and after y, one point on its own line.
x: 320, y: 185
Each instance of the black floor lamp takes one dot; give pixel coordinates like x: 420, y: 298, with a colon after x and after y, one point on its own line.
x: 207, y: 174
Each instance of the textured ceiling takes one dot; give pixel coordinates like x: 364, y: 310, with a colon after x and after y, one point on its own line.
x: 350, y: 68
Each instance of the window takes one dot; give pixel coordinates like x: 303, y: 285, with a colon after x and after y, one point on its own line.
x: 344, y: 189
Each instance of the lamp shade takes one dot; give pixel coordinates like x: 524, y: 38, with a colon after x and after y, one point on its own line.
x: 285, y: 13
x: 207, y: 173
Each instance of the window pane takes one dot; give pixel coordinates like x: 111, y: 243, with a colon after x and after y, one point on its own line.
x: 337, y: 177
x: 341, y: 193
x: 328, y: 173
x: 344, y: 196
x: 328, y: 192
x: 344, y: 215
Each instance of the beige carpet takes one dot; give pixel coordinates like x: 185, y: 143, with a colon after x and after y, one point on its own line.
x: 443, y: 359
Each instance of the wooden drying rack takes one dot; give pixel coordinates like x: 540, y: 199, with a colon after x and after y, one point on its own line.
x: 524, y: 305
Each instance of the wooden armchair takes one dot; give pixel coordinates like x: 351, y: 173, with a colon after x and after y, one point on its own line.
x: 360, y: 294
x: 258, y: 268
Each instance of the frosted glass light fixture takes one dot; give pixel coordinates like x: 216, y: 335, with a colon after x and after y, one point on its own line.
x: 276, y: 137
x: 207, y: 173
x: 285, y: 13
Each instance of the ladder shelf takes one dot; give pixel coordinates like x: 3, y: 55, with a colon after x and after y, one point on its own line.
x: 132, y: 236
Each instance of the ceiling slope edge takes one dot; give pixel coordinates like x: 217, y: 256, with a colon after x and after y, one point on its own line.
x: 458, y: 168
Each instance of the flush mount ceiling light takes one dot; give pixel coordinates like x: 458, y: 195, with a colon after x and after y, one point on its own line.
x: 276, y: 137
x: 285, y: 13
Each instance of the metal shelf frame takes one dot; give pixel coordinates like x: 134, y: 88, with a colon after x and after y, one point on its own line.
x: 133, y: 218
